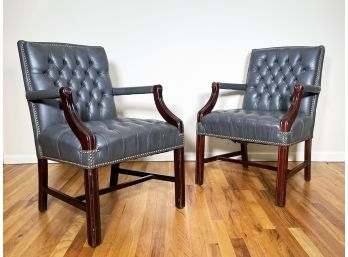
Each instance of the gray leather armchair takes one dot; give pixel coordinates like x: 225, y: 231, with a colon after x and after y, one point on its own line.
x: 280, y: 100
x: 74, y: 119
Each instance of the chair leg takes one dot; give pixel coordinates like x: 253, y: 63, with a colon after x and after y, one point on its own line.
x: 244, y: 150
x: 179, y: 170
x: 92, y: 207
x: 114, y: 174
x: 200, y: 159
x: 308, y: 158
x: 43, y: 180
x: 283, y: 152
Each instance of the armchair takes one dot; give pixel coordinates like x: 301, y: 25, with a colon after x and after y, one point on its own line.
x: 280, y: 99
x: 74, y: 119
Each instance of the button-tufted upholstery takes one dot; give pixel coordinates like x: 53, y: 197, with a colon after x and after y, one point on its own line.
x: 85, y: 70
x: 272, y: 75
x: 257, y: 126
x: 281, y: 93
x: 118, y: 140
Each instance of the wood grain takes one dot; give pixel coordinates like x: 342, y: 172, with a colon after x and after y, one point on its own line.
x: 232, y: 214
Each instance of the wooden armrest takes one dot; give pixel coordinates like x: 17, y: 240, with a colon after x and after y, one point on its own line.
x: 290, y: 116
x: 167, y: 115
x: 208, y: 107
x: 84, y: 135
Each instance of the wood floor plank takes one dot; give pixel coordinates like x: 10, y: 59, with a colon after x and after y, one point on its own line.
x: 306, y: 243
x: 232, y: 214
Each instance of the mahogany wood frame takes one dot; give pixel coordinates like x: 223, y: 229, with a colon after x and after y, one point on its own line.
x: 89, y: 202
x: 283, y: 173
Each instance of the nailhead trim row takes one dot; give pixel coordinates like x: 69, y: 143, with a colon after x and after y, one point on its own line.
x: 316, y: 83
x: 33, y: 105
x: 250, y: 140
x: 90, y: 151
x: 67, y: 45
x: 30, y: 88
x: 92, y: 166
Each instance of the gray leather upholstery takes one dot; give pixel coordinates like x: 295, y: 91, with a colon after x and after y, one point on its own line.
x: 48, y: 66
x: 117, y: 139
x: 232, y: 86
x: 42, y: 94
x: 255, y: 126
x: 272, y: 75
x: 132, y: 90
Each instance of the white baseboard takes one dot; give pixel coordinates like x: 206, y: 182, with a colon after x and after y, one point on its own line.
x: 191, y: 156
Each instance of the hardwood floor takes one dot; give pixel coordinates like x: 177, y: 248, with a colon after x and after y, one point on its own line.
x: 232, y: 214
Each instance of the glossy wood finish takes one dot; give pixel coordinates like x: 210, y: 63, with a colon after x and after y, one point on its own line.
x: 42, y: 182
x: 88, y: 142
x: 84, y: 135
x: 285, y: 126
x: 232, y: 214
x: 143, y: 173
x: 114, y: 174
x: 167, y: 115
x: 308, y: 158
x: 179, y: 170
x: 208, y: 107
x: 296, y: 169
x: 200, y: 142
x: 92, y: 207
x: 66, y: 198
x: 221, y: 156
x: 244, y: 153
x: 280, y: 194
x: 89, y: 201
x: 290, y: 116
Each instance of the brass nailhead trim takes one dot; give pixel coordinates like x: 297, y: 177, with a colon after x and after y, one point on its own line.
x: 249, y: 140
x: 90, y: 166
x: 316, y: 83
x: 33, y: 106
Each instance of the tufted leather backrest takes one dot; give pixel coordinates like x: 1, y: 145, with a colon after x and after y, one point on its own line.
x: 273, y: 73
x: 84, y: 69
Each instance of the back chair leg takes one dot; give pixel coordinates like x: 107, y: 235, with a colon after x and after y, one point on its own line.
x: 244, y: 150
x: 283, y: 153
x: 92, y: 207
x: 308, y: 159
x: 179, y: 170
x: 43, y: 180
x: 114, y: 174
x: 200, y: 141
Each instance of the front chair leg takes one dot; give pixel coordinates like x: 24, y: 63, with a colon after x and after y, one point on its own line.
x: 179, y: 170
x: 92, y: 207
x: 283, y: 152
x: 199, y: 177
x: 308, y: 159
x: 43, y: 178
x: 244, y: 150
x: 114, y: 174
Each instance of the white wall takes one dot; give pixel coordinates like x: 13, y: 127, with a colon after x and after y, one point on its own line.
x: 184, y: 45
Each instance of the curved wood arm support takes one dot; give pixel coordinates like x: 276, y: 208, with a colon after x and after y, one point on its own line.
x: 167, y: 115
x: 84, y: 135
x: 290, y: 116
x: 208, y: 107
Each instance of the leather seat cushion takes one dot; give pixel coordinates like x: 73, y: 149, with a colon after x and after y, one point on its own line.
x: 254, y: 126
x: 117, y: 140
